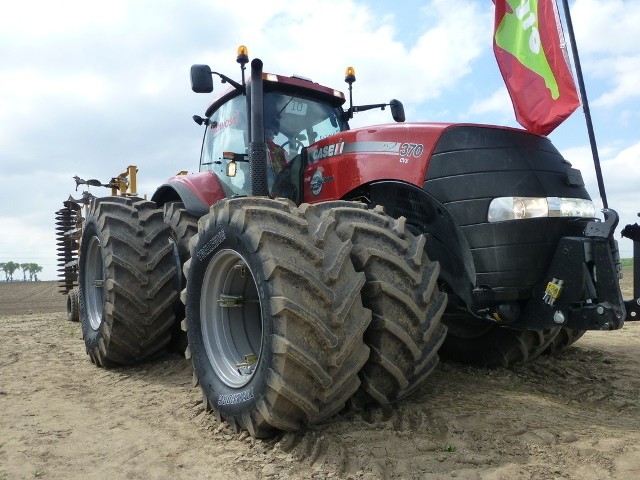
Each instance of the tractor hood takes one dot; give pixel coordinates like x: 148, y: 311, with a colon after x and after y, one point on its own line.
x: 400, y: 152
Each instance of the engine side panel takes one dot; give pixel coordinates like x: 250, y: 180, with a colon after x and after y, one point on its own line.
x: 340, y: 163
x: 470, y: 166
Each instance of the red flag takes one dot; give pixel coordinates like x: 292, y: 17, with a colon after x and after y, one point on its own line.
x: 529, y: 47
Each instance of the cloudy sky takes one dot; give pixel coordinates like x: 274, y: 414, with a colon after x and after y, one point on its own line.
x: 87, y: 88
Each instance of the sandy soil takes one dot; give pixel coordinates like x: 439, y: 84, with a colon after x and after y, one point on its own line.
x: 574, y: 415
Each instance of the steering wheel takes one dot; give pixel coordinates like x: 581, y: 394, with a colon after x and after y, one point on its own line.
x: 282, y: 185
x: 295, y: 142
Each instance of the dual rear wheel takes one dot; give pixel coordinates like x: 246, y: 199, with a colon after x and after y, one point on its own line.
x: 127, y: 281
x: 279, y: 311
x: 278, y: 333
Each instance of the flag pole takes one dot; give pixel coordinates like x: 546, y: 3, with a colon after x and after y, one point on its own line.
x: 585, y: 104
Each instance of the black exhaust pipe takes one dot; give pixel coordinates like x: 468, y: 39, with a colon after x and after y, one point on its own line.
x: 257, y: 145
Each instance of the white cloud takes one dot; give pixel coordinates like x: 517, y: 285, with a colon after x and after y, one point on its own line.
x: 621, y: 173
x: 624, y: 73
x: 445, y: 52
x: 499, y: 102
x: 619, y: 168
x: 607, y: 36
x: 39, y: 20
x: 606, y: 26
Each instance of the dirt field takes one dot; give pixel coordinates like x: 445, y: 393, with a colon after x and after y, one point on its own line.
x: 575, y: 415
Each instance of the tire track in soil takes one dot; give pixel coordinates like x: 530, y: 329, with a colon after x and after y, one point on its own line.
x: 572, y: 415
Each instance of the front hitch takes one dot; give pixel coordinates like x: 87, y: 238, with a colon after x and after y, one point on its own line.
x: 581, y: 289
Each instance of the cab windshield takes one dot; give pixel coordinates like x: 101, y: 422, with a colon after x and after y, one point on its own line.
x: 297, y: 121
x: 291, y: 122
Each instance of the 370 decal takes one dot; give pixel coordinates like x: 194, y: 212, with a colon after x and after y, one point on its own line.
x: 408, y: 150
x: 411, y: 149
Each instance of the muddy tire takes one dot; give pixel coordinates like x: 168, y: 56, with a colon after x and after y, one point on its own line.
x: 73, y: 309
x: 128, y: 283
x: 566, y: 337
x: 401, y: 291
x: 274, y: 317
x: 184, y: 226
x: 474, y: 342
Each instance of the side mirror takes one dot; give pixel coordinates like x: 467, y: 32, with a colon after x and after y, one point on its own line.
x: 397, y: 110
x: 201, y: 80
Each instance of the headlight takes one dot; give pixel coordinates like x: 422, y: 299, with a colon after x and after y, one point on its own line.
x: 515, y: 208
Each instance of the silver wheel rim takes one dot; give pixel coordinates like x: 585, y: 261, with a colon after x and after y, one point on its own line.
x: 94, y: 283
x: 231, y: 319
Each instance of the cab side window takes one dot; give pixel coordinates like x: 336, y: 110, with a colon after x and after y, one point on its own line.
x: 227, y: 132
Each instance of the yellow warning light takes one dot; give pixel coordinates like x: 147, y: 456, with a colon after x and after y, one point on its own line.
x: 243, y: 55
x: 350, y: 75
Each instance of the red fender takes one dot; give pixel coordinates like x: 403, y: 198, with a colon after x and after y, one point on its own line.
x: 198, y: 191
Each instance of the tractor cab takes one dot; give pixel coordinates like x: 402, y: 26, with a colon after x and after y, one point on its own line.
x: 285, y: 114
x: 296, y: 113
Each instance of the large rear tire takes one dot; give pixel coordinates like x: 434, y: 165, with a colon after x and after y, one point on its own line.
x: 566, y: 337
x: 184, y: 226
x: 475, y: 342
x: 274, y: 317
x: 127, y: 281
x: 73, y: 310
x: 401, y: 291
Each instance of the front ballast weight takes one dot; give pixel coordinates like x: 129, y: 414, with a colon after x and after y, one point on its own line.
x: 581, y: 290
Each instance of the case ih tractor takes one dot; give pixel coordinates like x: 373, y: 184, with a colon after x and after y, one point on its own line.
x: 315, y: 261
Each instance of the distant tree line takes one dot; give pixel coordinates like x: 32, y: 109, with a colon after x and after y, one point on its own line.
x: 32, y: 269
x: 626, y: 262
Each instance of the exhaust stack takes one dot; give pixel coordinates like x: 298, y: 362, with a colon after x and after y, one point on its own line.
x: 257, y: 146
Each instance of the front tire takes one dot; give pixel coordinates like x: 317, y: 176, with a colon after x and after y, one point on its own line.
x: 127, y: 281
x: 477, y: 342
x: 274, y: 317
x: 401, y: 291
x: 565, y: 338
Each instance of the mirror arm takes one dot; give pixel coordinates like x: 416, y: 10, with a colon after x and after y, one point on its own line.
x: 364, y: 108
x: 348, y: 114
x: 226, y: 79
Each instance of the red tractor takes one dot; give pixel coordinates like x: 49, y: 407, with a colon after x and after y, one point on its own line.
x: 318, y: 259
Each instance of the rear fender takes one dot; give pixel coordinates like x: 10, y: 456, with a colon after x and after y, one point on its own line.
x: 197, y: 191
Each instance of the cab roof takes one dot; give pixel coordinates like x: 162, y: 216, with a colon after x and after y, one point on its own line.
x: 293, y: 84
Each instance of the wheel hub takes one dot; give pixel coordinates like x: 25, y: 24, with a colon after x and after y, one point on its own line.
x: 94, y: 283
x: 231, y: 316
